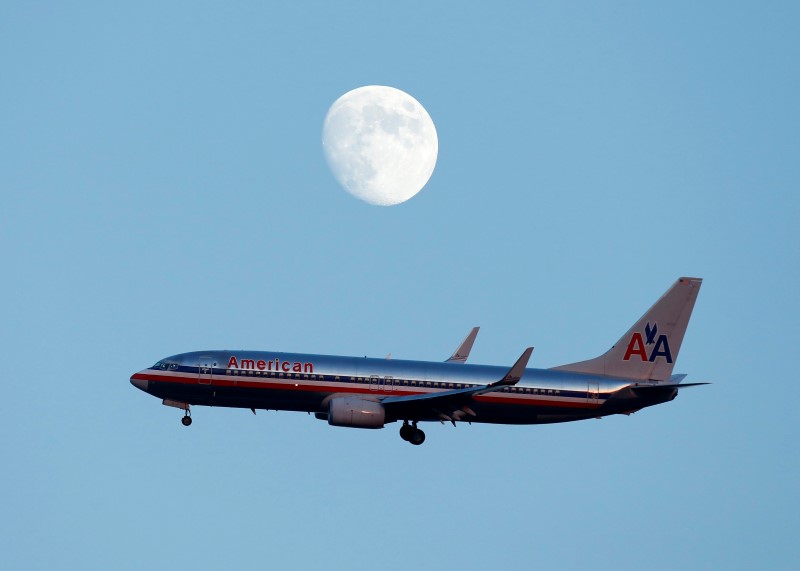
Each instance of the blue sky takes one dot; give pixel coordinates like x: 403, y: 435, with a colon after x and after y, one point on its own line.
x: 164, y: 190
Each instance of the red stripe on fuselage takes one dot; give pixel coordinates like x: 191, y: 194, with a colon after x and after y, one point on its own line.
x: 325, y: 386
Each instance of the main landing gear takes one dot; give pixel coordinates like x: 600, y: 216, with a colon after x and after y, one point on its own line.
x: 410, y: 433
x: 187, y: 418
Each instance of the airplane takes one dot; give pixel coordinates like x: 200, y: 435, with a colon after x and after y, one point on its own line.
x: 366, y: 392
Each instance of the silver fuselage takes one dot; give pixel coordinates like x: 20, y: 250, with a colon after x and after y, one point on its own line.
x: 306, y: 382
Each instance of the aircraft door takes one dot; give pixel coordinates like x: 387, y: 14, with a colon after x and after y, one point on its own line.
x: 593, y: 393
x: 377, y: 383
x: 204, y: 369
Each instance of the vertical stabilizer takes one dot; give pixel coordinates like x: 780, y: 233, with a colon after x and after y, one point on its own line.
x: 649, y: 349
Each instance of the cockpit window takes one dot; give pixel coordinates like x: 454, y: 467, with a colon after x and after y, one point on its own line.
x: 157, y: 365
x: 173, y: 366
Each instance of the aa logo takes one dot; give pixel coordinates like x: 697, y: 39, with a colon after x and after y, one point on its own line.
x: 658, y: 346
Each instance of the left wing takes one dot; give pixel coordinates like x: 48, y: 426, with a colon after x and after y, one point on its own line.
x: 452, y: 405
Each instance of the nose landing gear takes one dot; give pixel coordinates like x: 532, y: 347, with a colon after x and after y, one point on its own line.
x: 187, y: 413
x: 187, y: 416
x: 410, y: 433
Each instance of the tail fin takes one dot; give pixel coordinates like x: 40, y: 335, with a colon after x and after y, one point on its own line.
x: 649, y: 349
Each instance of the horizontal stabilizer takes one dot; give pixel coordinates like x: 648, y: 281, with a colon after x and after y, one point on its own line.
x: 651, y: 388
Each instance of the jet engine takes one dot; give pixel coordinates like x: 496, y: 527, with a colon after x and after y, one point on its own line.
x: 356, y: 412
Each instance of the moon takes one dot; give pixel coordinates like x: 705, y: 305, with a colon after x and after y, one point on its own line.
x: 380, y: 144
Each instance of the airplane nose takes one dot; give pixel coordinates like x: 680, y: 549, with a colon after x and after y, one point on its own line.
x: 139, y: 383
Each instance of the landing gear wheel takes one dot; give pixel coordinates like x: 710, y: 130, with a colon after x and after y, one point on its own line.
x: 406, y: 431
x: 186, y: 420
x: 417, y: 437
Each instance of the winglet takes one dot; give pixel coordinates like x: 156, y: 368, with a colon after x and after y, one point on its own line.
x: 515, y: 373
x: 462, y: 352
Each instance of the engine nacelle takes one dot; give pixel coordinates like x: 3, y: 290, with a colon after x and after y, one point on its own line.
x: 356, y: 412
